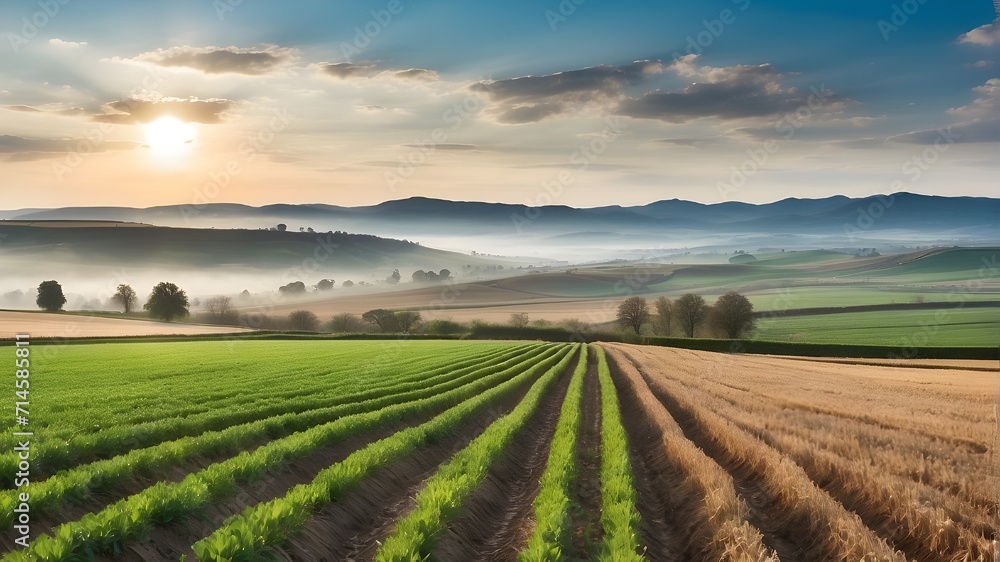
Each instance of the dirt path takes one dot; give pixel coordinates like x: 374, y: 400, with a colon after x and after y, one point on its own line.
x: 586, y: 514
x: 498, y: 518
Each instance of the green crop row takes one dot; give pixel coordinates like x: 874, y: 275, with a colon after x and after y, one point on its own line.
x: 553, y: 503
x: 440, y: 500
x: 619, y: 516
x: 77, y: 482
x: 245, y: 536
x: 56, y: 455
x: 165, y: 503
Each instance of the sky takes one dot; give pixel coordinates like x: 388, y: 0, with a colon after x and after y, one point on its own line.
x: 569, y: 102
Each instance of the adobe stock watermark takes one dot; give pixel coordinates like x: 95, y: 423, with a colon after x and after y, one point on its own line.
x: 33, y: 24
x: 365, y: 34
x: 580, y: 160
x: 901, y: 14
x: 914, y: 169
x: 247, y: 150
x: 713, y: 29
x: 988, y: 271
x: 455, y: 116
x: 786, y: 127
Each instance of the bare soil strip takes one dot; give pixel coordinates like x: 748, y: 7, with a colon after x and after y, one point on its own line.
x: 586, y: 510
x: 498, y: 518
x: 763, y: 513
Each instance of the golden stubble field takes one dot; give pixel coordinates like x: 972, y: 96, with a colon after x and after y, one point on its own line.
x: 42, y: 325
x: 742, y: 456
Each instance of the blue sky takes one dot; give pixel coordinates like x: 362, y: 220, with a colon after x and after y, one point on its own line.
x: 526, y: 102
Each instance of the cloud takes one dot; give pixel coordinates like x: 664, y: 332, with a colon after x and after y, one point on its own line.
x: 981, y: 64
x: 417, y: 74
x: 22, y: 149
x: 29, y: 109
x: 985, y: 35
x: 981, y: 124
x: 447, y: 146
x: 57, y: 42
x: 346, y: 70
x: 736, y: 92
x: 221, y: 60
x: 193, y: 110
x: 528, y: 99
x: 689, y: 143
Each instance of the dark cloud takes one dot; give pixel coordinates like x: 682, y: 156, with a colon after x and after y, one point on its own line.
x: 133, y: 111
x: 736, y: 92
x: 221, y: 60
x: 533, y: 98
x: 691, y: 143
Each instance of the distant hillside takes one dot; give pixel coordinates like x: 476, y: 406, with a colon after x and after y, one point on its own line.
x: 566, y: 232
x: 152, y: 246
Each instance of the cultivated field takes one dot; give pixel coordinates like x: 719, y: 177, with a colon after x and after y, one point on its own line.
x: 463, y: 450
x: 44, y: 325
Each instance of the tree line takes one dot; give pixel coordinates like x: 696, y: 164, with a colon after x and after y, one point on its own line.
x: 731, y: 316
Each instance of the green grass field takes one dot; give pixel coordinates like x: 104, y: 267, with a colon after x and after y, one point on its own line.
x: 941, y: 327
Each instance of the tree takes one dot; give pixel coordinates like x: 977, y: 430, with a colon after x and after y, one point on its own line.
x: 219, y: 308
x: 293, y: 288
x: 419, y: 276
x: 282, y: 227
x: 303, y: 320
x: 50, y: 296
x: 733, y: 315
x: 663, y: 316
x: 407, y: 320
x: 394, y: 278
x: 125, y: 296
x: 519, y: 319
x: 167, y: 301
x: 325, y: 284
x: 444, y: 275
x: 347, y: 284
x: 633, y: 312
x: 384, y: 319
x: 345, y: 322
x: 690, y: 311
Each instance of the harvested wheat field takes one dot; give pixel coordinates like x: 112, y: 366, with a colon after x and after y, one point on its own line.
x: 735, y: 456
x: 45, y: 325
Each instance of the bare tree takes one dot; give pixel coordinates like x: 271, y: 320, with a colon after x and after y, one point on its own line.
x: 125, y: 296
x: 345, y: 322
x: 304, y: 320
x: 690, y: 311
x: 633, y: 312
x: 733, y: 315
x: 519, y: 319
x: 219, y: 308
x: 407, y: 320
x: 664, y: 315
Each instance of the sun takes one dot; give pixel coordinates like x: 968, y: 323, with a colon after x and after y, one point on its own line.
x: 168, y: 135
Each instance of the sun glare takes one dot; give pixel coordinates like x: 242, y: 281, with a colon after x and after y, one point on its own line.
x: 169, y: 135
